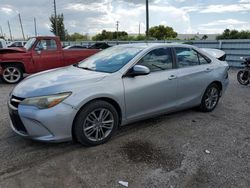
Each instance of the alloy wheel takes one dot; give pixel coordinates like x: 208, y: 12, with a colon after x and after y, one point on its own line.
x: 212, y: 97
x: 98, y: 124
x: 11, y: 74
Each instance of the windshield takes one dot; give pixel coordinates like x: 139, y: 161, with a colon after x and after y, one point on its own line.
x: 110, y: 60
x: 29, y: 43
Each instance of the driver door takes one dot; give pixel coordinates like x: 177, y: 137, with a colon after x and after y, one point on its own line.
x: 153, y: 93
x: 47, y: 55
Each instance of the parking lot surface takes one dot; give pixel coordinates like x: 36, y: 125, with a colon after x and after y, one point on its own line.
x: 184, y: 149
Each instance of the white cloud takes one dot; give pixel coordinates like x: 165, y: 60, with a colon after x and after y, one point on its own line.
x: 129, y: 16
x: 6, y: 10
x: 180, y: 1
x: 219, y: 26
x: 91, y: 17
x: 224, y: 22
x: 221, y: 8
x: 244, y: 1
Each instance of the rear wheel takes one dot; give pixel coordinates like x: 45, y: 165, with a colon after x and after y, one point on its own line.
x: 12, y: 74
x: 210, y: 98
x: 96, y: 123
x: 243, y: 77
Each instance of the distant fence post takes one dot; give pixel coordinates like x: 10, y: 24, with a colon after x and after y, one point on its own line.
x: 220, y: 44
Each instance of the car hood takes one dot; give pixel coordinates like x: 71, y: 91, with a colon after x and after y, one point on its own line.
x: 12, y: 50
x: 56, y: 81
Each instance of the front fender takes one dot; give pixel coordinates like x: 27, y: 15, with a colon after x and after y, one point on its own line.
x: 96, y: 91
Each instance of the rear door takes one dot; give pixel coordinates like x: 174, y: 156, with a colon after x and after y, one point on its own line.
x: 47, y: 55
x: 194, y: 71
x: 153, y: 93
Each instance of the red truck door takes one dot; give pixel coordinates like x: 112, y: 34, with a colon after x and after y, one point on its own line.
x: 47, y: 55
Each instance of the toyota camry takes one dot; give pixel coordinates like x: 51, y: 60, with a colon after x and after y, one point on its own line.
x: 88, y: 101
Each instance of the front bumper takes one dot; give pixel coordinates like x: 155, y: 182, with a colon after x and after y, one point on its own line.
x: 48, y: 125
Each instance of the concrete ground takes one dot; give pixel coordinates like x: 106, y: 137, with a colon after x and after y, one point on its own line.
x: 168, y: 151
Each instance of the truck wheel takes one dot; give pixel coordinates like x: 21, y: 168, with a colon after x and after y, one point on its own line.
x: 12, y: 74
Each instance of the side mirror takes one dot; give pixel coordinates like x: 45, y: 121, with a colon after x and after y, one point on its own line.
x: 138, y: 70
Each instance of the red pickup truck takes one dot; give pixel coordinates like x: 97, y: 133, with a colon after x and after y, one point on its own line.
x: 39, y: 54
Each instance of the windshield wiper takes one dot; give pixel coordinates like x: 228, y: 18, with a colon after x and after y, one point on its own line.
x: 86, y: 68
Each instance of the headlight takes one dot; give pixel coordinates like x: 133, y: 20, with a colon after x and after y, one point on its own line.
x: 44, y: 102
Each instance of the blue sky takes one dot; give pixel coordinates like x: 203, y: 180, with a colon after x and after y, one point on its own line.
x: 88, y: 16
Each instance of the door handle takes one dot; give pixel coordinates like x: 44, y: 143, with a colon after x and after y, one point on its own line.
x: 208, y: 69
x: 172, y: 77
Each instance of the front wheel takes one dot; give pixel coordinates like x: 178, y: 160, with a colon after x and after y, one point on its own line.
x: 12, y: 74
x: 210, y: 98
x: 96, y: 123
x: 243, y: 77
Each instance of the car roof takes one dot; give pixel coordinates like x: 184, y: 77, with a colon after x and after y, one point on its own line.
x: 155, y: 45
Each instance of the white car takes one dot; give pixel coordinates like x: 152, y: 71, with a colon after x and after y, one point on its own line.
x: 3, y: 43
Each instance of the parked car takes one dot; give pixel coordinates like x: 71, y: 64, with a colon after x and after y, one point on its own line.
x: 99, y: 45
x: 219, y: 54
x: 17, y: 44
x: 3, y: 43
x: 114, y: 87
x: 39, y: 54
x: 75, y: 47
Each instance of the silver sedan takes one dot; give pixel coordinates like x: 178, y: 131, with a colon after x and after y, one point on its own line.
x: 123, y: 84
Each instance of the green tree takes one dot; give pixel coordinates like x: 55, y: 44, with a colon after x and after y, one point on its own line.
x: 62, y: 32
x: 234, y: 34
x: 162, y: 32
x: 76, y: 37
x: 109, y: 35
x: 204, y: 37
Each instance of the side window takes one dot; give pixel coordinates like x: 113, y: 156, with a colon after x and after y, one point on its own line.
x: 186, y: 57
x: 203, y: 60
x: 47, y: 44
x: 158, y: 59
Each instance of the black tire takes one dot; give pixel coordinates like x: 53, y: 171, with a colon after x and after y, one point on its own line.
x: 80, y: 123
x: 243, y: 77
x: 204, y: 107
x: 17, y: 75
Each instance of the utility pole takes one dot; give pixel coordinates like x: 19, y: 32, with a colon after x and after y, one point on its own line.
x: 10, y: 31
x: 1, y: 31
x: 147, y: 19
x: 55, y: 17
x: 139, y: 28
x: 20, y: 20
x: 117, y: 30
x: 35, y: 26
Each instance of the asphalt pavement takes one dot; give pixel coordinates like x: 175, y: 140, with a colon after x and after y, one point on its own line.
x: 184, y: 149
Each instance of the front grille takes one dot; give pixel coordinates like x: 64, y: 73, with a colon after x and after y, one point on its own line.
x: 14, y: 116
x: 15, y: 101
x: 16, y: 121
